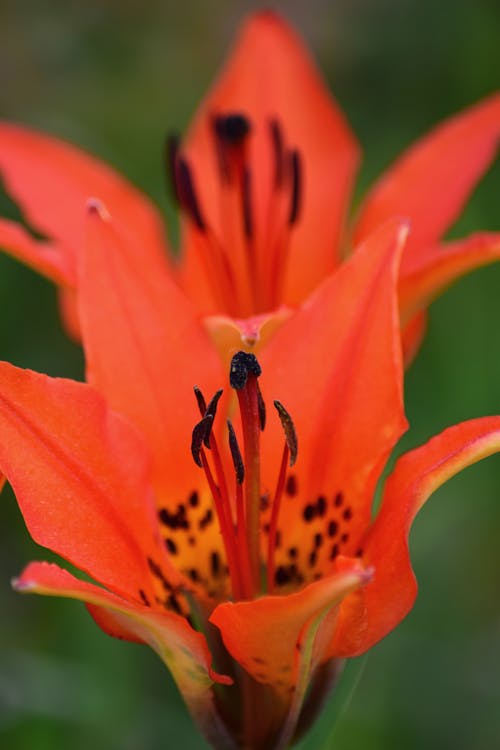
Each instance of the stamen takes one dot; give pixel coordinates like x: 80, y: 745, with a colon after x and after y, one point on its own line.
x: 296, y: 172
x: 187, y: 194
x: 239, y: 467
x: 201, y: 432
x: 246, y: 202
x: 277, y: 143
x: 289, y: 430
x: 200, y: 398
x: 232, y: 128
x: 211, y: 410
x: 262, y: 409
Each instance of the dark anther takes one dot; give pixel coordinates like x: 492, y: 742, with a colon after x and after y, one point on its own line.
x: 172, y: 143
x: 262, y: 409
x: 200, y: 433
x: 187, y: 193
x: 243, y: 364
x: 291, y: 485
x: 232, y: 128
x: 200, y: 399
x: 289, y: 430
x: 239, y: 467
x: 296, y: 168
x: 246, y: 202
x: 211, y: 411
x: 277, y: 141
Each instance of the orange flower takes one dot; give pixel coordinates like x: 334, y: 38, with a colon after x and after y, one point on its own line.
x: 264, y: 182
x: 261, y: 571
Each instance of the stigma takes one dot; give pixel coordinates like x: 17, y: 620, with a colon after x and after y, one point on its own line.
x: 237, y: 491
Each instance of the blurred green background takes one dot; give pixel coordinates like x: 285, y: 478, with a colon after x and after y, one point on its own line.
x: 113, y: 77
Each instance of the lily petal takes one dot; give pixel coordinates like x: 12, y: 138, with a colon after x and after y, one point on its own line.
x: 52, y: 182
x: 270, y: 75
x: 183, y: 650
x: 81, y: 478
x: 346, y: 341
x: 280, y: 640
x: 416, y: 476
x: 41, y: 255
x: 432, y: 181
x: 145, y: 349
x: 424, y: 276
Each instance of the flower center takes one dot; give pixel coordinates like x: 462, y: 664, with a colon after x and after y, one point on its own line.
x: 237, y: 494
x: 245, y: 258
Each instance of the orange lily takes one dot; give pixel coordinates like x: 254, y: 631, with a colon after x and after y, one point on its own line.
x: 264, y: 181
x: 256, y: 572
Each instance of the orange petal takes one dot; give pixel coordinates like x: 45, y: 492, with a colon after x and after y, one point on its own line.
x: 416, y: 476
x: 42, y: 255
x: 432, y: 181
x: 81, y: 478
x: 269, y: 74
x: 52, y: 182
x: 423, y: 277
x: 145, y: 350
x: 336, y: 367
x: 279, y: 640
x: 183, y: 650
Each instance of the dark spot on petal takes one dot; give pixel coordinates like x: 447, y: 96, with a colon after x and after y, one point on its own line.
x: 206, y: 520
x: 321, y: 506
x: 293, y: 552
x: 318, y: 540
x: 144, y: 598
x: 333, y: 527
x: 344, y: 538
x: 338, y: 499
x: 347, y: 514
x: 215, y: 566
x: 281, y: 576
x: 313, y: 558
x: 171, y: 546
x: 194, y: 499
x: 308, y: 513
x: 334, y: 552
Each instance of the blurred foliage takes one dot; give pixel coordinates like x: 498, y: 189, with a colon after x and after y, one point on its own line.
x: 113, y: 77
